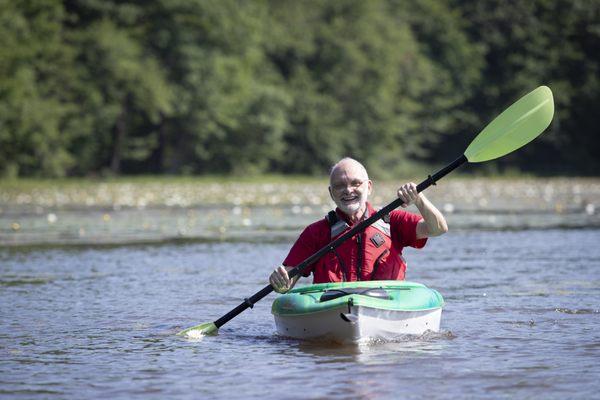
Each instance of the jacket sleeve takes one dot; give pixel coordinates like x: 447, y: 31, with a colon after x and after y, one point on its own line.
x: 403, y: 226
x: 305, y: 246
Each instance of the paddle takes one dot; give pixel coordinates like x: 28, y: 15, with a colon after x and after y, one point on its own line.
x: 515, y: 127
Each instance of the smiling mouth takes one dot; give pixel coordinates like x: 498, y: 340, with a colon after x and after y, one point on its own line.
x: 350, y: 199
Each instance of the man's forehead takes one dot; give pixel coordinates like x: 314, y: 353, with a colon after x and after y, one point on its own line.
x: 348, y: 168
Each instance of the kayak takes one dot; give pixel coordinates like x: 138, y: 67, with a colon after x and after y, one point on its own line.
x: 354, y: 312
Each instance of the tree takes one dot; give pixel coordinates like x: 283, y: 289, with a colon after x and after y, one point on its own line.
x: 35, y: 66
x: 379, y: 80
x: 122, y: 88
x: 552, y: 42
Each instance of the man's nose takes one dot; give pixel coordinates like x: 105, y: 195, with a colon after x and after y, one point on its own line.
x: 348, y: 188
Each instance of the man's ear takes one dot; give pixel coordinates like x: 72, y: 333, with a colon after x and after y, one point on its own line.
x: 330, y: 193
x: 370, y: 184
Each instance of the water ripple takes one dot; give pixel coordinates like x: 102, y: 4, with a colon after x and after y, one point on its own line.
x: 103, y: 324
x: 577, y: 311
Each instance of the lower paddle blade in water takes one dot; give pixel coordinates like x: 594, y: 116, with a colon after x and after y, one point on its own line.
x: 208, y: 328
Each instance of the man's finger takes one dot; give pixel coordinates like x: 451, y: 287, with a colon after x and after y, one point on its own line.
x: 284, y: 275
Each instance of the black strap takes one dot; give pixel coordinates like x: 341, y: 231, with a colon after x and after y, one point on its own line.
x: 332, y: 217
x: 361, y: 252
x: 345, y: 270
x: 379, y: 293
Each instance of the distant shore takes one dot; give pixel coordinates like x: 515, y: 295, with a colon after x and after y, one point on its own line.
x: 122, y: 211
x: 461, y: 193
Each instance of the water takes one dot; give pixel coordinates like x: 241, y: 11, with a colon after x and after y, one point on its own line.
x: 522, y: 320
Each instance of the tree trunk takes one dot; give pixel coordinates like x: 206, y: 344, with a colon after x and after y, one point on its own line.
x: 120, y: 134
x: 157, y: 159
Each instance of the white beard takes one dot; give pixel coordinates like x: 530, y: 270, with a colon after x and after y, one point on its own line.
x: 352, y: 208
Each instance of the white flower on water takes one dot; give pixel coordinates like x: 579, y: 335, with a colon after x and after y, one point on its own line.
x: 448, y: 208
x: 590, y: 209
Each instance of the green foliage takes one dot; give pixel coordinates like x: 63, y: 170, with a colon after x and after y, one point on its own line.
x: 363, y: 84
x: 250, y: 87
x: 123, y: 90
x: 552, y: 42
x: 34, y: 67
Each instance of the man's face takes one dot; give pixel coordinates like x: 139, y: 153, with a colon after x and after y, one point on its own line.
x: 350, y: 187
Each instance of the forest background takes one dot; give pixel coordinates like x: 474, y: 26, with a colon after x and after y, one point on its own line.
x: 104, y: 88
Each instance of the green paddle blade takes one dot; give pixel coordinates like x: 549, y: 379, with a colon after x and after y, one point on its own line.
x: 518, y: 125
x: 208, y: 328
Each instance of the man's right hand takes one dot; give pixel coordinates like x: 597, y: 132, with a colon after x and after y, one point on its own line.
x: 279, y: 280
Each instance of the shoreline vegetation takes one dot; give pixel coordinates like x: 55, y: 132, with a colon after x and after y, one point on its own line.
x: 466, y: 192
x: 129, y: 210
x: 239, y: 87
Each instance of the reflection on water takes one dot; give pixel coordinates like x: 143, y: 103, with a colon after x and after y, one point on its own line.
x: 521, y: 320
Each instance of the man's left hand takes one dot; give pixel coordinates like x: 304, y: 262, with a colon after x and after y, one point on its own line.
x: 408, y: 193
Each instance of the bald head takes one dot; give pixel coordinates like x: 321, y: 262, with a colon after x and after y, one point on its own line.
x: 348, y: 166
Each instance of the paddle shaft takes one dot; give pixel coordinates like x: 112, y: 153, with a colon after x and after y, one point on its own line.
x: 249, y: 302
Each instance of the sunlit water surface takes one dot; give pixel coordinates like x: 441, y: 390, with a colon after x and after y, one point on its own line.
x: 521, y: 320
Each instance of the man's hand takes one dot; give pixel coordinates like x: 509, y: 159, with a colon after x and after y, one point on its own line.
x: 280, y: 281
x: 433, y: 222
x: 408, y: 193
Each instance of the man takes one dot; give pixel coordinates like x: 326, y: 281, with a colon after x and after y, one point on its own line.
x: 374, y: 254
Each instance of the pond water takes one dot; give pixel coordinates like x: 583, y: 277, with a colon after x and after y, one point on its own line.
x: 522, y: 320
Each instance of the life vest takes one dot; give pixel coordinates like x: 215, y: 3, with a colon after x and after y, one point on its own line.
x: 369, y: 255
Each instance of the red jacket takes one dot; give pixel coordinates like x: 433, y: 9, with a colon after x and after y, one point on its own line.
x: 374, y: 254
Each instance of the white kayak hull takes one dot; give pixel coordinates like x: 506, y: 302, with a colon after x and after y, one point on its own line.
x: 358, y: 311
x: 359, y: 325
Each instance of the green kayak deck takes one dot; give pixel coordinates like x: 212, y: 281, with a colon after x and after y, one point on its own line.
x: 382, y: 295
